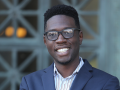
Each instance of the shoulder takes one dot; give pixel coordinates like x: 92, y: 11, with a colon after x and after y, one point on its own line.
x: 101, y: 75
x: 109, y: 82
x: 35, y: 74
x: 96, y: 72
x: 38, y: 74
x: 29, y: 80
x: 101, y: 78
x: 34, y: 79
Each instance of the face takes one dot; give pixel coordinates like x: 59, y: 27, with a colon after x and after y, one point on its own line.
x: 64, y: 51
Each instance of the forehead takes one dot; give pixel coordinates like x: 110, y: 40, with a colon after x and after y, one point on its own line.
x: 59, y: 22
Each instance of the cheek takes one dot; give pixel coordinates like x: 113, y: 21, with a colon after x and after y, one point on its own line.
x: 76, y: 44
x: 50, y: 46
x: 75, y: 41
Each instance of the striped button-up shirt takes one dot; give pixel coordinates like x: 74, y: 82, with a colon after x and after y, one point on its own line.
x: 65, y: 83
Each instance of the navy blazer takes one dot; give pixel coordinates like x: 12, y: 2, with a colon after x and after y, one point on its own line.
x: 88, y: 78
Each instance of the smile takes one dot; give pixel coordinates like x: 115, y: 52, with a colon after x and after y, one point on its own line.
x: 62, y: 50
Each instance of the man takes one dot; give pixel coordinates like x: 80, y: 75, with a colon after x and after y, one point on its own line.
x: 69, y: 71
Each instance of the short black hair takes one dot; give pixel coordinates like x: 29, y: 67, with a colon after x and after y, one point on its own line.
x: 62, y: 10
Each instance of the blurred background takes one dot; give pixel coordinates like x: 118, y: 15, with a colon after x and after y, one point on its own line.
x: 22, y: 50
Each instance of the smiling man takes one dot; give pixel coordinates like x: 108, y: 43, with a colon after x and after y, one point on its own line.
x: 69, y: 71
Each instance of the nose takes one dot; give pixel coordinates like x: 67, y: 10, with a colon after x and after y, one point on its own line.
x: 60, y: 39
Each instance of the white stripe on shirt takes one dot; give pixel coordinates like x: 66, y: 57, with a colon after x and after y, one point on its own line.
x: 65, y: 83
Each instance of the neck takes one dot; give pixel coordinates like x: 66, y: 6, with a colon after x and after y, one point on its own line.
x: 67, y: 70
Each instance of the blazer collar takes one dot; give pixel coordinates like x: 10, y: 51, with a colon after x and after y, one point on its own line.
x: 48, y: 78
x: 83, y: 76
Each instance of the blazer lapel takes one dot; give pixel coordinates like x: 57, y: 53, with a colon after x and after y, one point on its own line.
x: 83, y: 76
x: 48, y: 78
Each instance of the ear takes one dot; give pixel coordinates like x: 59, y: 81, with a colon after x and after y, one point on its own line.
x: 80, y: 37
x: 44, y: 38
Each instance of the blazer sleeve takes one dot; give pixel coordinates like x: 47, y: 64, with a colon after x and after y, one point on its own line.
x: 112, y: 84
x: 23, y: 85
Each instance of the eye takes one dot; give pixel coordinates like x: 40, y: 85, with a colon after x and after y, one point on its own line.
x: 52, y: 33
x: 68, y: 31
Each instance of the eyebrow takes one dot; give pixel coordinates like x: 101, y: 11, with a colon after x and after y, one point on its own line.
x: 62, y: 29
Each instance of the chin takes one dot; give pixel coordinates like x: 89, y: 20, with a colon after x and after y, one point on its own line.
x: 63, y: 62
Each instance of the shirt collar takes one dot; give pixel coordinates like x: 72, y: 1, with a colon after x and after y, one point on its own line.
x: 76, y: 70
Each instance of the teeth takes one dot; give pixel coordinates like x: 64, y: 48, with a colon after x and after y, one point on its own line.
x: 62, y: 50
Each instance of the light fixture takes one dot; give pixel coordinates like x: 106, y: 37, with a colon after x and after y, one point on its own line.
x: 9, y: 31
x: 21, y: 32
